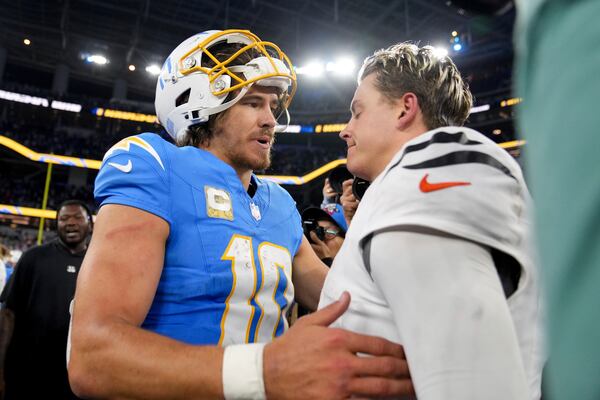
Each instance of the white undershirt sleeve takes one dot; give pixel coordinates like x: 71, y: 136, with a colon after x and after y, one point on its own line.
x: 452, y: 316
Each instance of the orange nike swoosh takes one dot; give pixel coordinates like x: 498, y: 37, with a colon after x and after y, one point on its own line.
x: 427, y: 187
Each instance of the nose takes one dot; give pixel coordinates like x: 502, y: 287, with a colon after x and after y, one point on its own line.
x: 71, y: 221
x: 345, y: 134
x: 267, y: 119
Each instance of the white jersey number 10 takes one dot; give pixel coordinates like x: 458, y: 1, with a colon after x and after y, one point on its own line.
x: 273, y: 297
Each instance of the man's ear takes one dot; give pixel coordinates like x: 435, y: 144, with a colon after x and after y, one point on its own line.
x: 408, y: 108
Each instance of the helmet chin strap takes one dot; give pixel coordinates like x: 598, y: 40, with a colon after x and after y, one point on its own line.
x: 282, y: 128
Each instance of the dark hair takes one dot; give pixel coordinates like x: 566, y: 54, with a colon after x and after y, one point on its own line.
x: 75, y: 202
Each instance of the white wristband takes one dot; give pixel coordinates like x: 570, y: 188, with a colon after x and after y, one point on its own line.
x: 243, y: 372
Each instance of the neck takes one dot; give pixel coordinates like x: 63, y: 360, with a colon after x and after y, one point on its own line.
x: 80, y: 247
x: 398, y: 143
x: 243, y: 173
x: 245, y: 177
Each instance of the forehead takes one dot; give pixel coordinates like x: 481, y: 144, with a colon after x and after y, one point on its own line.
x: 268, y: 92
x: 71, y: 209
x: 367, y: 90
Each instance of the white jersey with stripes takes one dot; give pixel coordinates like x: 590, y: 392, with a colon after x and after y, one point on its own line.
x: 422, y: 259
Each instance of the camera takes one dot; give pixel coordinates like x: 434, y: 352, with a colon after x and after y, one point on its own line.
x: 359, y: 187
x: 337, y: 176
x: 312, y: 225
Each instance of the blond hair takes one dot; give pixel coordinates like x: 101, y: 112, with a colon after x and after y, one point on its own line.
x: 443, y: 96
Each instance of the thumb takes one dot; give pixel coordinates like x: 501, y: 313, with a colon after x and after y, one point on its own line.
x: 326, y: 316
x: 347, y: 184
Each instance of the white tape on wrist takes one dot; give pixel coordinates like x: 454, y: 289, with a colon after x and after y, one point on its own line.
x: 243, y: 372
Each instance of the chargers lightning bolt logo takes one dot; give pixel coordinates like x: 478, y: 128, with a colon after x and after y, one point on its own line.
x: 125, y: 145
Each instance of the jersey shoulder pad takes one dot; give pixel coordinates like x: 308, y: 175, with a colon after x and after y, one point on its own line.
x: 455, y: 181
x: 145, y: 145
x: 449, y: 146
x: 134, y: 172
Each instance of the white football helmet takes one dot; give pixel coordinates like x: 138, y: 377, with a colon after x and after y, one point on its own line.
x: 208, y: 87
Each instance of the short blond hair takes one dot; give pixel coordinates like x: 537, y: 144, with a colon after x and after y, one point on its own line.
x: 444, y: 97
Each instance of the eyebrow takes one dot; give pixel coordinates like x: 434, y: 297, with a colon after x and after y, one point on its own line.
x: 255, y: 97
x: 70, y: 214
x: 252, y: 97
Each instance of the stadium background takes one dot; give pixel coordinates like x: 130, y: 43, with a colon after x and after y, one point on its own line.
x: 61, y: 107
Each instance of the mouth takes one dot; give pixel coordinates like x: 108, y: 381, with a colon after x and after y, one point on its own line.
x: 265, y: 141
x: 72, y: 235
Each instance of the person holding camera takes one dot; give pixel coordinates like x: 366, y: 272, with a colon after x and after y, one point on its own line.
x: 325, y: 229
x: 343, y: 188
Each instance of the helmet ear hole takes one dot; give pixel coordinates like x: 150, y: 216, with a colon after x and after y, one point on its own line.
x: 183, y: 98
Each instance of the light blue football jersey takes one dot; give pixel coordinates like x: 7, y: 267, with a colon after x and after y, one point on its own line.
x: 228, y: 261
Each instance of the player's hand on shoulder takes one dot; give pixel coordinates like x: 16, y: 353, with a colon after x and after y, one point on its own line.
x: 312, y: 361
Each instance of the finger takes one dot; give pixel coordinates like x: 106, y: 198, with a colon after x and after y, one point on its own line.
x: 347, y: 184
x: 384, y: 367
x: 349, y: 197
x: 372, y: 345
x: 381, y: 387
x: 326, y: 316
x: 350, y: 206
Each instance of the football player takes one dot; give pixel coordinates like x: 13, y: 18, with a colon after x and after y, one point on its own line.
x: 437, y: 255
x: 195, y: 261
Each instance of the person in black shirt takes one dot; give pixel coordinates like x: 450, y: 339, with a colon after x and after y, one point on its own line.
x: 39, y: 294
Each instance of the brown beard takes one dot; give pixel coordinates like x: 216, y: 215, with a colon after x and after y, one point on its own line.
x: 257, y: 165
x: 254, y: 165
x: 238, y: 163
